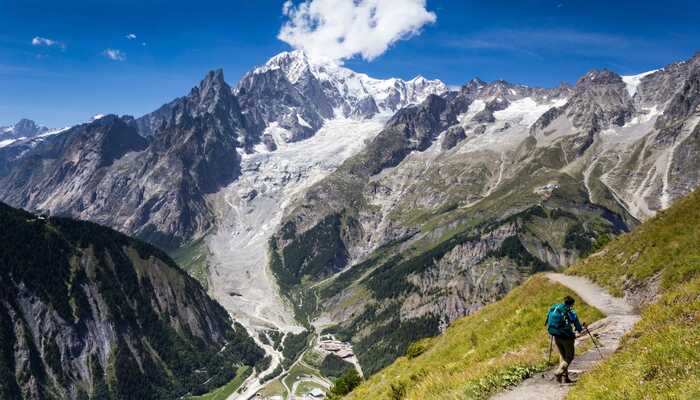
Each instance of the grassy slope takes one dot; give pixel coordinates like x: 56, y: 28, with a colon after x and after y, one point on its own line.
x: 224, y: 392
x: 193, y: 259
x: 660, y: 358
x: 478, y: 354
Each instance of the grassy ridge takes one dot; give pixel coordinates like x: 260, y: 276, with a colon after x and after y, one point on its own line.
x: 660, y: 357
x: 479, y: 354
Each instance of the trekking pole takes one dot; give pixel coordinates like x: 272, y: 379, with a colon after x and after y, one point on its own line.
x: 549, y: 355
x: 594, y: 342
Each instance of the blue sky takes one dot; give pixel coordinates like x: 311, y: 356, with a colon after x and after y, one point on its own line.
x: 66, y: 75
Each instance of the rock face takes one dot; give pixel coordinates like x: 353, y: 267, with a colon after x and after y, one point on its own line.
x: 461, y: 197
x: 24, y: 128
x: 86, y: 312
x: 104, y: 171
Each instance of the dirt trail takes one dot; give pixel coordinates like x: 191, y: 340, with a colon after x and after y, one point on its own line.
x: 620, y: 317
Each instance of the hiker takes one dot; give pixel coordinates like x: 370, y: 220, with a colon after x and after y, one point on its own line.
x: 559, y: 320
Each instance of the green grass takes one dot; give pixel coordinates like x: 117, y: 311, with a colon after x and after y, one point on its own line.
x: 274, y: 388
x: 480, y: 354
x: 297, y: 371
x: 307, y: 386
x: 224, y: 392
x: 660, y: 357
x: 668, y: 245
x: 193, y: 259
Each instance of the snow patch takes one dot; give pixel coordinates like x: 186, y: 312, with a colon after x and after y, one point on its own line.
x: 475, y: 107
x: 302, y: 121
x: 632, y: 81
x: 526, y: 110
x: 7, y: 142
x: 54, y: 132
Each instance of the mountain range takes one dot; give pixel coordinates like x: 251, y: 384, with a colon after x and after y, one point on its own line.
x: 315, y: 197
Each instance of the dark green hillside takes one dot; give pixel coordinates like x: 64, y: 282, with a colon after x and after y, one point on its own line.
x: 86, y: 312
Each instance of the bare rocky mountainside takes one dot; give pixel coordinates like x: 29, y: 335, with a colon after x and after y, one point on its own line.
x: 376, y: 210
x: 154, y: 188
x: 460, y: 198
x: 87, y: 312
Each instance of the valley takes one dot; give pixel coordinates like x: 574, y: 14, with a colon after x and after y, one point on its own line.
x: 311, y: 200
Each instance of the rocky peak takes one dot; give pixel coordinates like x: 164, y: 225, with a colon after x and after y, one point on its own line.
x: 103, y: 141
x: 26, y: 126
x: 213, y: 81
x: 476, y: 83
x: 597, y: 77
x: 659, y: 88
x: 212, y: 90
x: 684, y: 104
x: 293, y: 63
x: 23, y: 128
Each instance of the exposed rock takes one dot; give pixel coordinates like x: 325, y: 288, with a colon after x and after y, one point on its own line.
x: 24, y: 128
x: 105, y: 172
x: 454, y: 135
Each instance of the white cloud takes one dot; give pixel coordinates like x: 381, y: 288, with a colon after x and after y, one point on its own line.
x: 131, y: 36
x: 46, y: 42
x: 340, y: 29
x: 114, y: 54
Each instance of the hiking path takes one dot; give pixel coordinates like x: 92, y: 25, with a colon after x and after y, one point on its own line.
x: 620, y: 318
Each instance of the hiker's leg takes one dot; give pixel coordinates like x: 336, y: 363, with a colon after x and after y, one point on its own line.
x: 569, y: 351
x: 563, y: 356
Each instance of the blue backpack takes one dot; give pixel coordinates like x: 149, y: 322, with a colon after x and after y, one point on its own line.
x: 558, y: 323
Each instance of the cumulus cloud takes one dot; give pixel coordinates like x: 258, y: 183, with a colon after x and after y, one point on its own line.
x: 340, y: 29
x: 114, y: 54
x: 131, y: 36
x: 46, y: 42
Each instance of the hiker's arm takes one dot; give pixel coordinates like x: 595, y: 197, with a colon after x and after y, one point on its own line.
x: 577, y: 323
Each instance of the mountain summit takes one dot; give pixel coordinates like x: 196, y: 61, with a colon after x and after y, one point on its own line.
x: 294, y: 96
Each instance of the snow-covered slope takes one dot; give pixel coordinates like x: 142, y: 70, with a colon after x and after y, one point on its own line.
x: 299, y: 95
x: 13, y: 136
x: 349, y: 88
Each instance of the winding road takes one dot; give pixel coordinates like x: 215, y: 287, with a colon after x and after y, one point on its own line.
x: 620, y: 318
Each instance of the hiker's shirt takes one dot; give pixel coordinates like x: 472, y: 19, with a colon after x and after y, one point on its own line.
x: 564, y: 330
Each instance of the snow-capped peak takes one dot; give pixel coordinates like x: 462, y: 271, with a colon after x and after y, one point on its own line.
x: 346, y: 88
x: 293, y: 63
